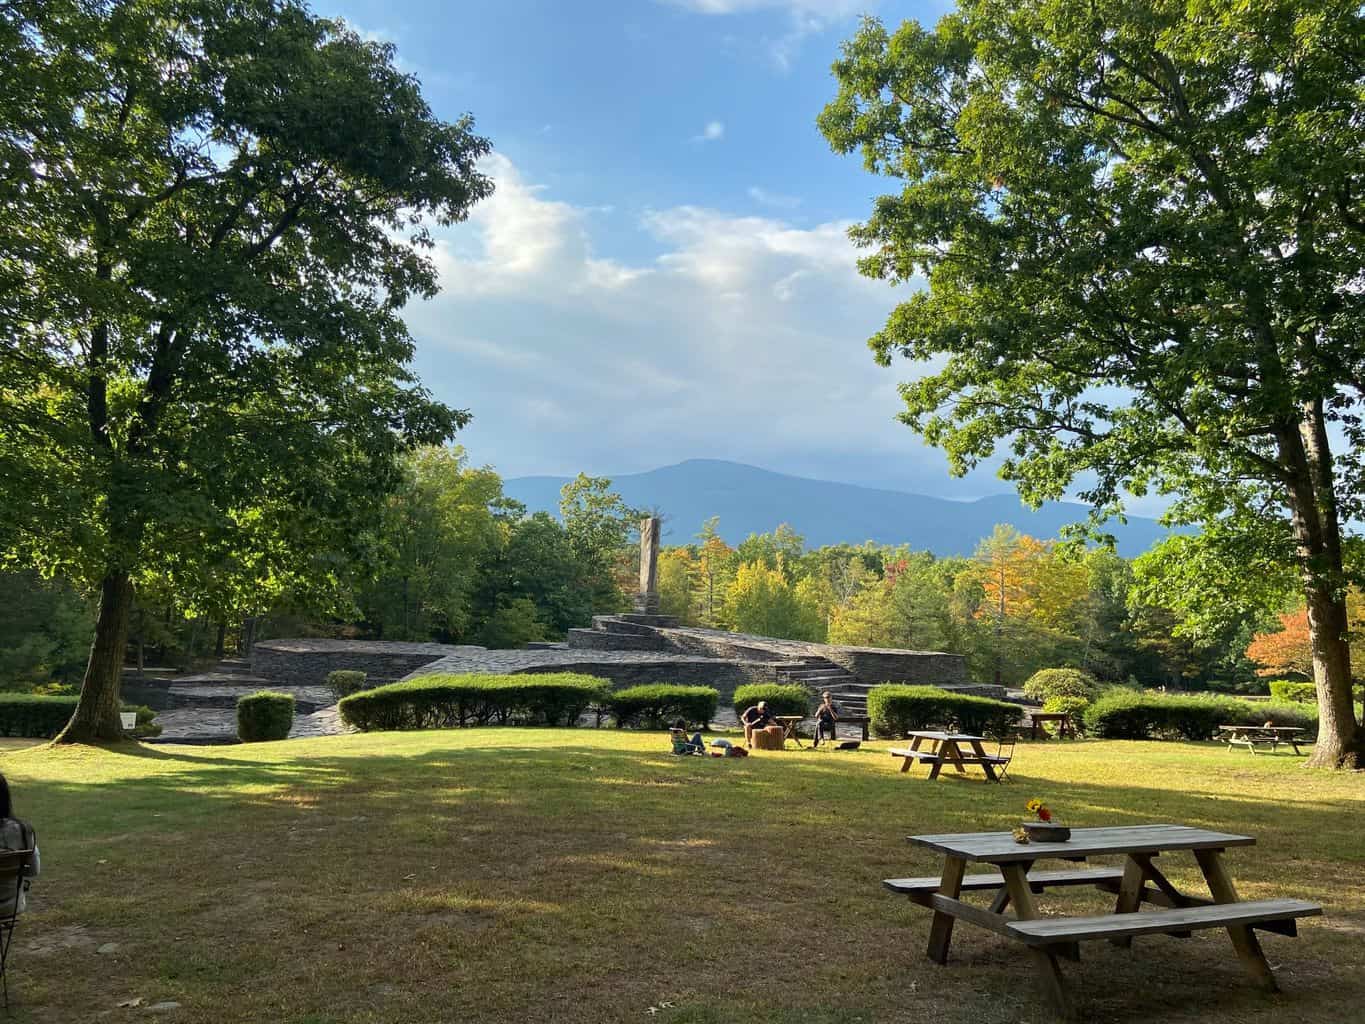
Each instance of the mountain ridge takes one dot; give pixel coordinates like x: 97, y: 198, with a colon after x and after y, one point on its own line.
x: 750, y: 499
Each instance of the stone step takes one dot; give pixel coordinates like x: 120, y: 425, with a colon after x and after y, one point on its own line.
x: 223, y: 694
x: 661, y: 621
x: 615, y: 624
x: 600, y: 640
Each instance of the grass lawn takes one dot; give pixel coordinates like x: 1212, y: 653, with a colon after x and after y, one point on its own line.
x: 584, y: 875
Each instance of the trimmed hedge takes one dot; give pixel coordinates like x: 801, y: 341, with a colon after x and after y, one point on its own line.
x: 39, y: 716
x: 1287, y: 689
x: 452, y: 701
x: 788, y: 699
x: 1125, y: 715
x: 895, y: 710
x: 34, y: 715
x: 345, y: 681
x: 657, y: 704
x: 1061, y: 682
x: 264, y: 715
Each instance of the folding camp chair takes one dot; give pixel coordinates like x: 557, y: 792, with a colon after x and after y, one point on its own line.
x: 12, y: 866
x: 1004, y: 754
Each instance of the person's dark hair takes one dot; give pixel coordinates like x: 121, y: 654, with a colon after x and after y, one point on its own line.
x: 679, y: 724
x: 5, y: 807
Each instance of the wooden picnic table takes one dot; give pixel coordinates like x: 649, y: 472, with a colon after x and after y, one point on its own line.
x: 789, y: 724
x: 1062, y: 719
x: 1014, y: 882
x: 1250, y: 735
x: 946, y: 748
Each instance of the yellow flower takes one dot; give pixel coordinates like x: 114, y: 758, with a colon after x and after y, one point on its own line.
x: 1033, y: 805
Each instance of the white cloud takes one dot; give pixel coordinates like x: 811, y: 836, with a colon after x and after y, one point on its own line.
x: 743, y: 337
x: 804, y: 18
x: 774, y: 199
x: 713, y: 132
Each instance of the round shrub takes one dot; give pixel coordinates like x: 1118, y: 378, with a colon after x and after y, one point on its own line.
x: 895, y: 710
x: 1073, y: 706
x: 788, y: 699
x: 1060, y: 682
x: 452, y: 701
x: 345, y: 681
x: 144, y: 726
x: 655, y: 705
x: 264, y: 715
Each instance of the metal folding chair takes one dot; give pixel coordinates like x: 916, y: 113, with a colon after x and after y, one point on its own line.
x: 1005, y: 749
x: 12, y: 866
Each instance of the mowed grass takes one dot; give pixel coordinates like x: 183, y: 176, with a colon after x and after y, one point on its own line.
x: 585, y: 875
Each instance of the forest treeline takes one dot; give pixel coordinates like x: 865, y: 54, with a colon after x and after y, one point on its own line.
x: 453, y: 559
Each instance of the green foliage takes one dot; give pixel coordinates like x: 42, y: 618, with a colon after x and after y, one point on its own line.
x: 1060, y: 682
x: 344, y: 681
x: 514, y: 623
x: 1289, y: 690
x: 264, y: 715
x: 214, y: 393
x: 791, y: 699
x: 44, y: 631
x: 30, y: 714
x: 1128, y: 715
x: 448, y: 701
x: 762, y: 600
x: 1114, y: 205
x: 144, y: 726
x: 655, y: 705
x: 895, y: 709
x: 598, y: 525
x: 1073, y: 706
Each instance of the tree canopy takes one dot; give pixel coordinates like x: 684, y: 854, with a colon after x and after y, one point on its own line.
x: 1142, y: 227
x: 215, y: 210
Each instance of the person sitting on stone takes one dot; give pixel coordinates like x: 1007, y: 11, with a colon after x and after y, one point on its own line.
x: 682, y: 743
x: 756, y: 717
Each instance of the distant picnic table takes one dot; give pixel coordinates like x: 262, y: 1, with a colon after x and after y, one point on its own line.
x: 1062, y: 719
x: 1250, y: 735
x: 1048, y: 938
x: 946, y: 748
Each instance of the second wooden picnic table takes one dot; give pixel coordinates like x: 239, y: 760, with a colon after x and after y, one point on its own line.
x: 946, y: 748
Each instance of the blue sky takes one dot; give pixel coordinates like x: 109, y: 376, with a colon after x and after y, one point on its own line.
x: 663, y: 272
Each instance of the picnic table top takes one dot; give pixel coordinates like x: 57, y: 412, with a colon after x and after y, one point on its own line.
x: 789, y: 718
x: 1049, y: 715
x: 1260, y: 728
x: 942, y: 736
x: 1000, y: 847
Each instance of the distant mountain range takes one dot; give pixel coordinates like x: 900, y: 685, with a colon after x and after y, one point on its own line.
x: 752, y: 500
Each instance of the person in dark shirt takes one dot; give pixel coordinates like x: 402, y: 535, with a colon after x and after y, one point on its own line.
x: 756, y: 717
x: 826, y: 715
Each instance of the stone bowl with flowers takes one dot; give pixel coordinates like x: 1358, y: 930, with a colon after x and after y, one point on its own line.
x: 1044, y: 829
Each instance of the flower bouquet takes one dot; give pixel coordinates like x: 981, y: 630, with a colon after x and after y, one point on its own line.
x: 1044, y: 830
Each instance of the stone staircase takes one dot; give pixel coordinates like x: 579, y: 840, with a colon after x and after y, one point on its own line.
x: 819, y: 675
x: 626, y: 632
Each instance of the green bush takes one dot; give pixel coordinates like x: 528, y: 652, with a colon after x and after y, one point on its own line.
x: 895, y: 710
x: 145, y: 725
x: 449, y: 701
x: 264, y: 715
x: 1073, y: 706
x: 345, y: 681
x: 34, y: 715
x: 790, y: 699
x: 1061, y: 682
x: 1289, y: 690
x: 1124, y: 715
x: 657, y: 704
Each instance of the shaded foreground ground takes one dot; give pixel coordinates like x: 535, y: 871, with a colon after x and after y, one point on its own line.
x: 584, y: 875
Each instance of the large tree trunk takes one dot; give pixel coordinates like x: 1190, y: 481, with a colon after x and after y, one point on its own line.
x: 1317, y: 533
x: 97, y: 712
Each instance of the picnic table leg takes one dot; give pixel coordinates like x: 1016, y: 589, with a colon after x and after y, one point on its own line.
x: 941, y: 931
x: 1130, y: 894
x: 864, y: 728
x: 1243, y: 938
x: 986, y: 766
x: 949, y: 751
x: 1046, y: 968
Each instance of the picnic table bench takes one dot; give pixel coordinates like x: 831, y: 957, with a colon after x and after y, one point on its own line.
x: 1015, y: 882
x: 946, y: 748
x: 1250, y: 735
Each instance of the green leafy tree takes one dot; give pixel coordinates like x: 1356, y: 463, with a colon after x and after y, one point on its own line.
x: 760, y: 600
x: 44, y: 631
x: 437, y: 530
x: 1142, y: 230
x: 598, y: 524
x: 534, y: 561
x: 214, y: 212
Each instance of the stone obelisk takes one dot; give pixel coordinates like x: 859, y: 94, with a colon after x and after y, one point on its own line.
x: 647, y: 600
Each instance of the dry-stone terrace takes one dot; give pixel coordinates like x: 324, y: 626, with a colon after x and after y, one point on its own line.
x: 625, y: 649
